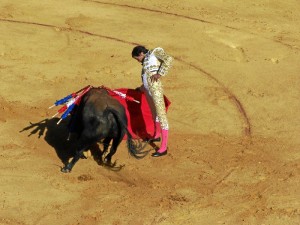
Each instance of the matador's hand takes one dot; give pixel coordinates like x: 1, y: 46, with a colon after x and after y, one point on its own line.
x: 155, y: 77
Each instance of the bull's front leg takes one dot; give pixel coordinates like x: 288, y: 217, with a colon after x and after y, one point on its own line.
x: 68, y: 167
x: 79, y: 154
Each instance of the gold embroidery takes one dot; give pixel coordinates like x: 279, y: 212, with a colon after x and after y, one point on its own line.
x: 166, y: 61
x: 157, y: 61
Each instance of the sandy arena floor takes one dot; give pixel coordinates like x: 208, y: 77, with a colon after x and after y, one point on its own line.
x: 234, y: 141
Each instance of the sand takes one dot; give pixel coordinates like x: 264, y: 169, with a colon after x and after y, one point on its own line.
x: 234, y: 119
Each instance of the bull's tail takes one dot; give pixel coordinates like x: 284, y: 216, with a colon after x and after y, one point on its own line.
x: 134, y: 147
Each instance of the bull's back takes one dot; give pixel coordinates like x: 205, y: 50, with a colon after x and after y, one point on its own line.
x: 97, y: 100
x: 100, y: 99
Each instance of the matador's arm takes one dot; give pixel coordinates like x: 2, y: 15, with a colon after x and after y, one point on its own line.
x: 165, y: 59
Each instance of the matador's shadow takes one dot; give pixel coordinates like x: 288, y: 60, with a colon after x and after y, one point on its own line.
x: 55, y: 135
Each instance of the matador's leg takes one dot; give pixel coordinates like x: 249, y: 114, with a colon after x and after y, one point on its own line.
x: 158, y: 99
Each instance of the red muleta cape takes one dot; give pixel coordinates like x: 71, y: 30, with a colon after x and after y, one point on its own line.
x: 139, y: 115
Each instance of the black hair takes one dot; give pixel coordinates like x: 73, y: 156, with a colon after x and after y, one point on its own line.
x: 136, y: 51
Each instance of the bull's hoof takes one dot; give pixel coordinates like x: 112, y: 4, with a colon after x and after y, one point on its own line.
x: 107, y: 161
x: 65, y: 170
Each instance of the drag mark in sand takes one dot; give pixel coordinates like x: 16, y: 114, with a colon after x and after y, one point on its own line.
x: 232, y: 97
x: 68, y: 29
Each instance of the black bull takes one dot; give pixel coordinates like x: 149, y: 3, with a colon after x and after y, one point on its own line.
x: 100, y: 117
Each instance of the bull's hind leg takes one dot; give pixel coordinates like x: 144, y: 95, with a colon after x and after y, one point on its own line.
x: 98, y: 155
x: 106, y: 142
x: 113, y: 149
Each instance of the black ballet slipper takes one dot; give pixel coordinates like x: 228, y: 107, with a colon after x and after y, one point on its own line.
x: 159, y: 154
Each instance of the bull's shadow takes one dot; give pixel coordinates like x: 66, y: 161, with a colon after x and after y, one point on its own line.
x: 55, y: 135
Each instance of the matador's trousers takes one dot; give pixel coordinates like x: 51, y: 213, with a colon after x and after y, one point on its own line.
x: 156, y: 96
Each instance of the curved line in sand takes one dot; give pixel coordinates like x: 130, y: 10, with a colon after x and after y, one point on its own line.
x: 232, y: 97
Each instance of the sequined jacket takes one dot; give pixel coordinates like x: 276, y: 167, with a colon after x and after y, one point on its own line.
x: 156, y: 61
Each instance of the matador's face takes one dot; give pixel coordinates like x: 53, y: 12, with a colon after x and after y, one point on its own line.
x: 140, y: 58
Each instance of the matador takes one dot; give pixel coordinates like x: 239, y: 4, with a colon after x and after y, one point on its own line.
x: 155, y: 64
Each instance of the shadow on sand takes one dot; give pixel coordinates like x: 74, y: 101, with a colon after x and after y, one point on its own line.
x: 56, y: 135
